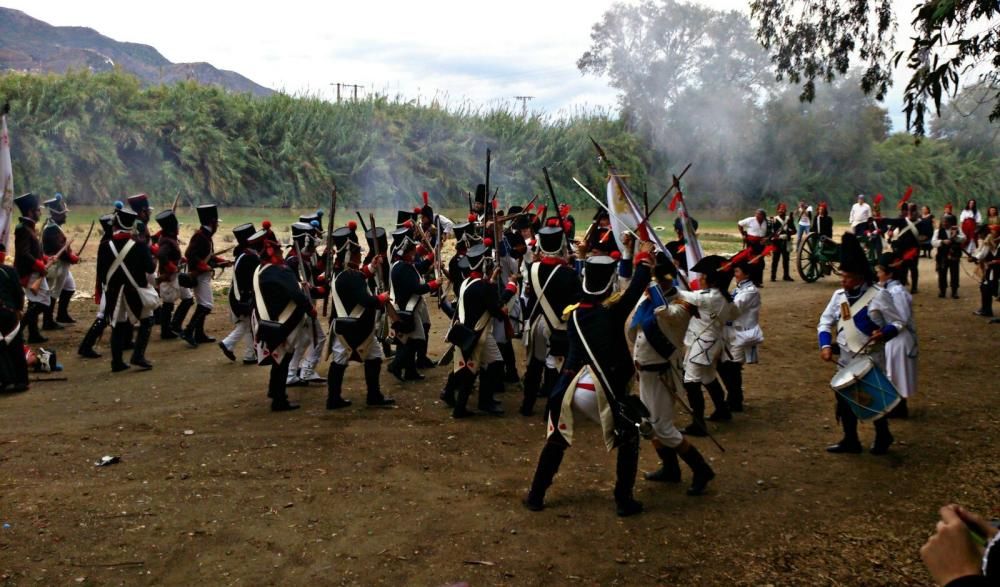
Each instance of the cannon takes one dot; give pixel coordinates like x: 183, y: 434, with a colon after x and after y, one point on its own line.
x: 819, y: 256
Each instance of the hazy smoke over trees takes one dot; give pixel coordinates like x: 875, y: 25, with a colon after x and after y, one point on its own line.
x: 697, y: 87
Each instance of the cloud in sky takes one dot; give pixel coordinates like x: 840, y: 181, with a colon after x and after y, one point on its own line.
x: 455, y: 50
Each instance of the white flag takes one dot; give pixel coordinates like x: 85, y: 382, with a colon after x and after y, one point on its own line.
x: 620, y: 209
x: 7, y: 176
x: 692, y: 248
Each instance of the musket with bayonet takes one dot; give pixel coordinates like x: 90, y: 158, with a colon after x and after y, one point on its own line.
x: 630, y: 199
x: 86, y: 239
x: 327, y: 252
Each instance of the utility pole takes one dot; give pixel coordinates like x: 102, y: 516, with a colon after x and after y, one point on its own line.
x: 524, y: 104
x: 355, y: 86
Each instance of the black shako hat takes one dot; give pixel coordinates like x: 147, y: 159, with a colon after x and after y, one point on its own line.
x: 599, y: 274
x: 168, y: 222
x: 551, y: 240
x: 853, y: 258
x: 207, y: 214
x: 242, y: 232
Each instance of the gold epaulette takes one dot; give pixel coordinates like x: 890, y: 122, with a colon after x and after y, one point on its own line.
x: 569, y: 310
x: 612, y: 299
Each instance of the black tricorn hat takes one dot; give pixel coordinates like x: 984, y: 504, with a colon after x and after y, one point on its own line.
x: 853, y: 258
x: 551, y: 240
x: 598, y: 275
x: 481, y: 193
x: 168, y: 221
x: 711, y: 267
x: 26, y: 202
x: 377, y: 240
x: 241, y: 232
x: 207, y: 214
x: 476, y: 255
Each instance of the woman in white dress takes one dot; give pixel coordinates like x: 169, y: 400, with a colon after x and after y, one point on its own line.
x: 900, y: 351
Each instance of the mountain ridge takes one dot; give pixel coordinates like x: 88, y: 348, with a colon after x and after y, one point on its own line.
x: 32, y: 45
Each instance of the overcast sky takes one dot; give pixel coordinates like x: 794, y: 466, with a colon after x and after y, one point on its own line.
x: 456, y: 50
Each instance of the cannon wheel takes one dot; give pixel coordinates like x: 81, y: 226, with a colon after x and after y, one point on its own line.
x: 809, y: 264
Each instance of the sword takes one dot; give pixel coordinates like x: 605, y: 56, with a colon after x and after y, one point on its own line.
x: 86, y: 238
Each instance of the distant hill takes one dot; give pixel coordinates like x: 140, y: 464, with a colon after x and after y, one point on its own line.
x: 29, y: 44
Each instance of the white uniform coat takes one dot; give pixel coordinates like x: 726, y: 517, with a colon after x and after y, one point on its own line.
x: 901, y: 351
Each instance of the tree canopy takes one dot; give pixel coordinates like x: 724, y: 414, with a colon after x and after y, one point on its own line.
x: 813, y: 40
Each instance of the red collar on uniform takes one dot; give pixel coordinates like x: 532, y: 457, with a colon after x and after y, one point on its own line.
x: 553, y: 261
x: 121, y: 236
x: 475, y: 275
x: 585, y: 305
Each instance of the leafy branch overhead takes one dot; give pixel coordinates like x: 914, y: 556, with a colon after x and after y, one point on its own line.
x: 955, y: 41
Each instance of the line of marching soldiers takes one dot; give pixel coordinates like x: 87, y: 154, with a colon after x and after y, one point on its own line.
x: 593, y: 320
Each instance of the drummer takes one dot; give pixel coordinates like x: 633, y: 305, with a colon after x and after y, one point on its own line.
x: 863, y: 317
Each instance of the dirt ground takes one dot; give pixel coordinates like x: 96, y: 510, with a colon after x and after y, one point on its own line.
x: 213, y: 488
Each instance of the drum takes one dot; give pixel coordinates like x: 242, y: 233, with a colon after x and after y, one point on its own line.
x: 866, y: 388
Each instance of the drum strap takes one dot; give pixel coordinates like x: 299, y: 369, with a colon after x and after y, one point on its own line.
x: 856, y: 339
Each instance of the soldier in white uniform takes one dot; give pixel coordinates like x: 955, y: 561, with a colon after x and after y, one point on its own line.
x: 655, y: 330
x: 742, y: 334
x: 705, y: 342
x: 901, y: 350
x: 862, y: 315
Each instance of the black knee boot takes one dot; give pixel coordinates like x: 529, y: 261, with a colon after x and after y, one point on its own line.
x: 448, y: 393
x: 849, y: 422
x: 199, y: 332
x: 421, y: 361
x: 374, y: 397
x: 489, y: 380
x: 276, y: 386
x: 625, y: 470
x: 985, y: 300
x: 718, y: 395
x: 731, y: 374
x: 532, y: 383
x: 509, y: 362
x: 702, y: 472
x: 177, y: 322
x: 141, y: 342
x: 548, y: 466
x: 883, y: 438
x: 30, y: 322
x: 128, y: 337
x: 409, y: 359
x: 463, y: 381
x: 86, y: 349
x: 48, y: 323
x: 118, y: 335
x: 334, y: 387
x: 166, y: 314
x: 669, y: 471
x: 696, y: 401
x: 63, y: 314
x: 549, y: 378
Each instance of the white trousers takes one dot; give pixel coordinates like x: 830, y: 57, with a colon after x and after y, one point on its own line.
x: 660, y: 402
x: 241, y: 331
x: 203, y: 290
x: 340, y: 354
x: 171, y: 291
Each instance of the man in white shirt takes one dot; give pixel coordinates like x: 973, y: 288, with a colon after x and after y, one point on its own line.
x: 860, y: 213
x: 755, y: 230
